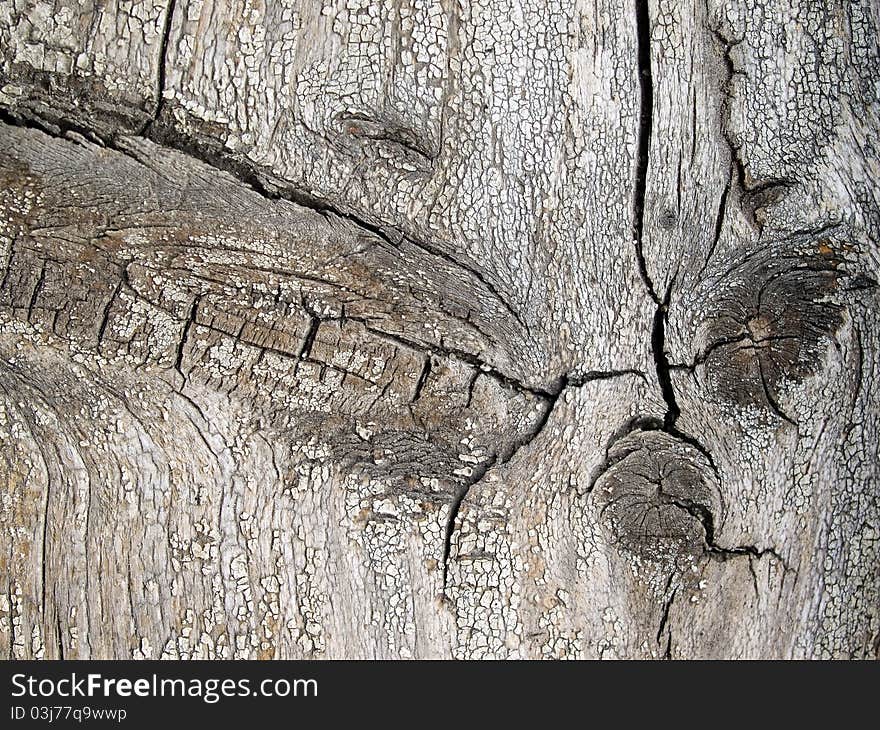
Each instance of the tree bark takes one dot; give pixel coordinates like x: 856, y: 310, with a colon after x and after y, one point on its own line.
x: 439, y: 328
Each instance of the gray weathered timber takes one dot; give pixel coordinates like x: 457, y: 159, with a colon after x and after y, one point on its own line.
x: 439, y: 328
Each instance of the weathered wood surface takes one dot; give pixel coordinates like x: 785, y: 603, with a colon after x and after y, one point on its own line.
x: 439, y: 328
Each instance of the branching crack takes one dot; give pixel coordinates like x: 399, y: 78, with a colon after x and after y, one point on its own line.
x: 565, y: 383
x: 661, y: 313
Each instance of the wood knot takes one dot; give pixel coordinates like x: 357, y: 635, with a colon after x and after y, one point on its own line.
x: 769, y: 319
x: 668, y: 219
x: 397, y: 135
x: 657, y: 496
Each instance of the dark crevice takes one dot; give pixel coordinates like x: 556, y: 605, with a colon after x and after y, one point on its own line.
x: 577, y: 381
x: 754, y: 577
x: 63, y: 129
x: 36, y: 292
x: 160, y: 72
x: 745, y: 340
x: 423, y: 377
x: 752, y: 194
x: 392, y: 132
x: 719, y: 225
x: 59, y: 636
x: 105, y: 316
x: 184, y: 338
x: 664, y: 378
x: 157, y: 133
x: 466, y: 357
x: 661, y: 313
x: 309, y: 339
x: 658, y: 332
x: 44, y: 550
x: 645, y: 128
x: 725, y: 553
x: 771, y: 399
x: 454, y: 507
x: 664, y: 620
x: 661, y: 362
x: 726, y: 45
x: 639, y: 423
x: 861, y: 282
x: 645, y: 423
x: 162, y: 135
x: 392, y: 237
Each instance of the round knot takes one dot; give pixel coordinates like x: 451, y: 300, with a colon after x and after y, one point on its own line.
x: 658, y: 495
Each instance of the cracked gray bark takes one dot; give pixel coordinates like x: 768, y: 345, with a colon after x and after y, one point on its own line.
x: 439, y: 329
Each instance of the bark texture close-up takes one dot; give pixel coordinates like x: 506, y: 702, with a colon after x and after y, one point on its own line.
x: 439, y: 329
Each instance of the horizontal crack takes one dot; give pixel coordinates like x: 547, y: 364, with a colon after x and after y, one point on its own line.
x: 69, y: 131
x: 706, y: 519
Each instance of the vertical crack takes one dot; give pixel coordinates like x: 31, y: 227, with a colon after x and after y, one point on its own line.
x: 664, y: 620
x: 309, y: 339
x: 661, y: 362
x: 646, y: 124
x: 160, y: 71
x: 105, y: 316
x: 36, y: 292
x: 59, y: 636
x: 454, y: 508
x: 725, y: 46
x: 423, y: 377
x: 661, y: 313
x: 184, y: 338
x: 771, y: 400
x: 44, y: 548
x: 751, y: 192
x: 719, y: 223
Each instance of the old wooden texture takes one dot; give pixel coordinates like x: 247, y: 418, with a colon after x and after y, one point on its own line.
x: 439, y: 328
